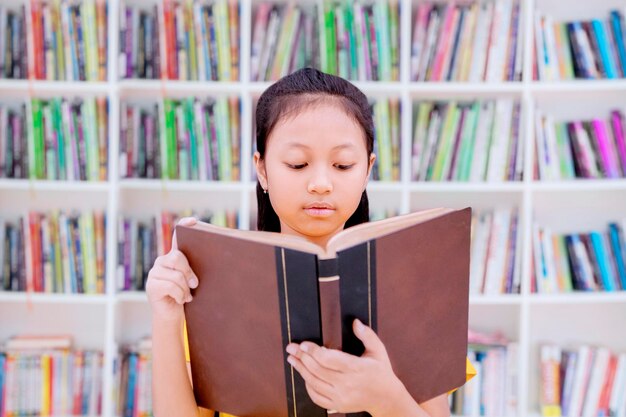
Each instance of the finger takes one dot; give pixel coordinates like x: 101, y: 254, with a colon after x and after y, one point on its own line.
x: 175, y: 277
x: 332, y: 359
x: 169, y: 289
x: 320, y: 385
x: 318, y: 398
x: 370, y: 339
x: 177, y: 260
x: 316, y: 368
x: 185, y: 221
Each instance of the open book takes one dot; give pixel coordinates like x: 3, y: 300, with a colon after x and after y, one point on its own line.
x: 407, y: 277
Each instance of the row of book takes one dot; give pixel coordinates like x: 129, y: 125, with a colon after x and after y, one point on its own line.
x: 493, y: 391
x: 582, y: 148
x: 13, y: 143
x: 180, y: 40
x: 467, y: 141
x: 133, y: 374
x: 13, y: 62
x: 582, y: 381
x: 187, y: 139
x: 54, y: 252
x: 69, y: 41
x: 46, y: 376
x: 356, y: 41
x: 467, y: 41
x: 587, y: 49
x: 495, y: 259
x: 141, y: 242
x: 55, y: 139
x: 386, y: 115
x: 593, y: 261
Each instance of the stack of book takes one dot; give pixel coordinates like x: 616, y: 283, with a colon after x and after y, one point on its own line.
x: 354, y: 41
x: 13, y: 148
x: 593, y: 261
x: 461, y: 41
x: 580, y: 149
x: 469, y: 141
x: 588, y: 49
x: 133, y: 374
x: 46, y: 376
x: 68, y: 41
x: 13, y: 57
x: 54, y: 252
x: 186, y: 139
x: 141, y: 242
x: 180, y: 40
x: 495, y: 260
x: 587, y: 380
x: 493, y: 391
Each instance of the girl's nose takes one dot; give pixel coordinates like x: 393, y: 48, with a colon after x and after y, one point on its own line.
x: 320, y: 183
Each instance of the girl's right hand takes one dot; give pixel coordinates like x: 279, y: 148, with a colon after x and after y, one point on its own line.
x: 169, y: 281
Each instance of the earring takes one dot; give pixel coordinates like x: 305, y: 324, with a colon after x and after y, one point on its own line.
x: 264, y: 191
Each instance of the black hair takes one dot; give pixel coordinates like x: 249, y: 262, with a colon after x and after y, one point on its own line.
x: 287, y: 98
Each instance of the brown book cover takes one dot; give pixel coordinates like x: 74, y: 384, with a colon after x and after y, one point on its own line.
x: 407, y: 277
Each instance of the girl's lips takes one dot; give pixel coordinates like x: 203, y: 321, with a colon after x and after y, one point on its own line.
x: 319, y: 212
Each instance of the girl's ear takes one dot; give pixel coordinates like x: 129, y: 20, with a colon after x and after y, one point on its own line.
x: 260, y: 169
x: 369, y: 168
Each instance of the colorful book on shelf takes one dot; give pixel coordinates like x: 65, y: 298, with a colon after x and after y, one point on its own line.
x: 296, y: 291
x: 467, y: 42
x: 354, y: 41
x: 581, y: 48
x: 588, y: 380
x: 467, y: 141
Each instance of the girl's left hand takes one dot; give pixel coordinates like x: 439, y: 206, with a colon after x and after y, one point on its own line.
x: 345, y: 383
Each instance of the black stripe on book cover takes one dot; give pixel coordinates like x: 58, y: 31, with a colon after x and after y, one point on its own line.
x: 300, y: 318
x: 357, y: 286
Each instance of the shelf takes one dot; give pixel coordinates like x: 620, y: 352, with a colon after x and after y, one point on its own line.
x: 131, y: 297
x: 578, y: 298
x: 466, y: 187
x: 156, y: 88
x: 53, y: 185
x: 595, y: 86
x: 368, y: 87
x: 36, y: 87
x: 578, y: 185
x: 178, y: 185
x: 40, y: 298
x: 502, y: 299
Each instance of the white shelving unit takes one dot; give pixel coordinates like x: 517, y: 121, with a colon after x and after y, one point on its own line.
x: 109, y: 320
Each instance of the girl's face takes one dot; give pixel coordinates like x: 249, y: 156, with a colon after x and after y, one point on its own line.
x: 315, y: 169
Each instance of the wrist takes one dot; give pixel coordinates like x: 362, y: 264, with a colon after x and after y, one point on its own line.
x: 394, y: 402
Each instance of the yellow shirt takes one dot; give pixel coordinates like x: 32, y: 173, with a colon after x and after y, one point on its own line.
x: 470, y: 372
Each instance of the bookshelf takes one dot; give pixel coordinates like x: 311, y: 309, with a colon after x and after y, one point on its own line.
x: 109, y: 320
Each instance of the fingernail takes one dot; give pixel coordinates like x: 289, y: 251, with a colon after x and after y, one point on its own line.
x: 304, y: 347
x: 291, y: 349
x: 290, y: 360
x: 359, y: 326
x: 189, y: 298
x: 193, y: 282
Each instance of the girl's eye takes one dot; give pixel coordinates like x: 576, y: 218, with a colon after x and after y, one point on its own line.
x: 299, y: 166
x: 344, y: 167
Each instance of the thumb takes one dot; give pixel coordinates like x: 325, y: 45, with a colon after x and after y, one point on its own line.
x: 185, y: 221
x: 373, y: 345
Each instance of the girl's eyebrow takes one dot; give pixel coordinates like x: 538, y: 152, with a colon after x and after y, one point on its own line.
x: 302, y: 145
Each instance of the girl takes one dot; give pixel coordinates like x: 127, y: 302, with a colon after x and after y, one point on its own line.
x: 315, y: 138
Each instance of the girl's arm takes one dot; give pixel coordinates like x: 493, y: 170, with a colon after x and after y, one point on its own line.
x: 168, y: 289
x: 172, y: 394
